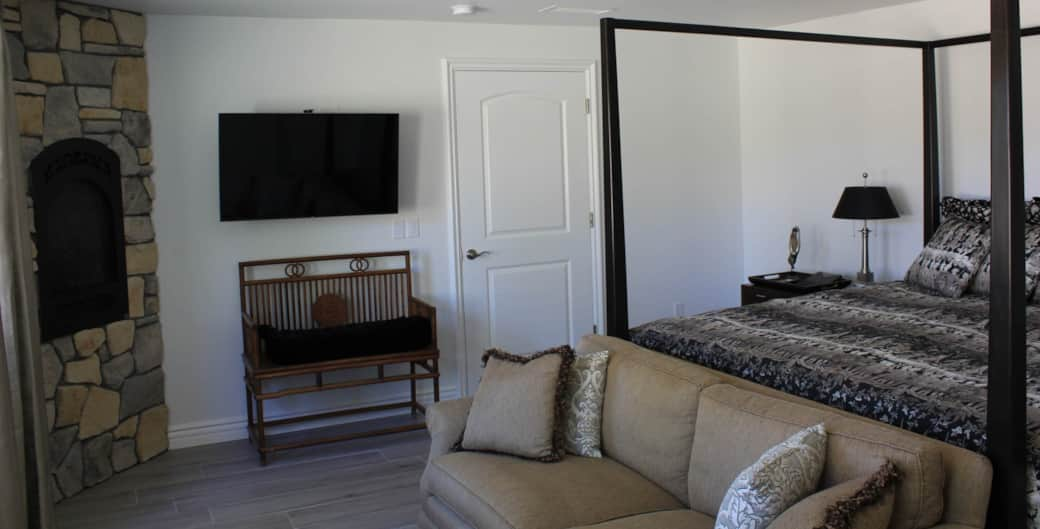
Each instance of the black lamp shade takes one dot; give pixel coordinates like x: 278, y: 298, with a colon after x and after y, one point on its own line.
x: 865, y: 203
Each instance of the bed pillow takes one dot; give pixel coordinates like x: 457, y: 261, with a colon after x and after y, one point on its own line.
x: 783, y: 476
x: 518, y: 406
x: 971, y: 210
x: 947, y: 265
x: 981, y: 284
x: 584, y: 400
x: 862, y: 503
x: 981, y: 210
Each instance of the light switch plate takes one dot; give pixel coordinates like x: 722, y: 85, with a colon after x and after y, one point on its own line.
x: 411, y: 228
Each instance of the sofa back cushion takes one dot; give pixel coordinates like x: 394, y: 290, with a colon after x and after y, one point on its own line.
x: 650, y: 411
x: 734, y: 427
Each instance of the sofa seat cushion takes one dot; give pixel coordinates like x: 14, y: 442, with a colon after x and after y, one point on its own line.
x: 683, y: 519
x: 493, y: 491
x: 659, y: 520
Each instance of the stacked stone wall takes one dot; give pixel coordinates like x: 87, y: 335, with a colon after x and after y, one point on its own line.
x: 79, y: 71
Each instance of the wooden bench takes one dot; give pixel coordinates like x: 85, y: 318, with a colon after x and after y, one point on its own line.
x: 312, y: 292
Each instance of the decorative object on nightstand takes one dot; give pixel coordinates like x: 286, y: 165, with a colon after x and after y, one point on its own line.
x: 794, y: 246
x: 865, y: 203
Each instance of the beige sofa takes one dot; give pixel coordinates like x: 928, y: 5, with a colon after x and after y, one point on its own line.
x: 675, y: 435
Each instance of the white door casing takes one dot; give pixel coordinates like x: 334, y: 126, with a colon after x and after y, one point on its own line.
x: 524, y: 177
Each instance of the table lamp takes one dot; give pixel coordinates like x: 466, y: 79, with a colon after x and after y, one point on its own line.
x: 865, y: 203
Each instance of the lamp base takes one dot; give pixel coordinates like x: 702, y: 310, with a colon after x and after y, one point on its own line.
x: 865, y: 277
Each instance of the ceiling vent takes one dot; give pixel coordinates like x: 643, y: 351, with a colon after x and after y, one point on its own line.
x: 564, y: 10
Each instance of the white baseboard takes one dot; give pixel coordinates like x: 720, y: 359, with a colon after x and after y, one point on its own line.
x: 234, y: 428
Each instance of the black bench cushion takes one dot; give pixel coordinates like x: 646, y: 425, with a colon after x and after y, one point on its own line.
x: 399, y: 335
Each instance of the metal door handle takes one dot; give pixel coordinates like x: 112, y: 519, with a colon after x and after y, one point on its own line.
x: 472, y: 254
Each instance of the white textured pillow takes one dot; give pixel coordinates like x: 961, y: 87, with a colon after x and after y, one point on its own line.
x: 783, y: 476
x: 583, y: 426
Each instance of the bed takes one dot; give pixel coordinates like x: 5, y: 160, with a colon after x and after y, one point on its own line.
x: 1004, y: 384
x: 886, y: 351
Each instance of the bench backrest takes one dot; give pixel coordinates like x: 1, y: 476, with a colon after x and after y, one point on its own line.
x: 282, y: 292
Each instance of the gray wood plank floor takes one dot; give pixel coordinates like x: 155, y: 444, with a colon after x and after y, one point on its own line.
x: 369, y: 483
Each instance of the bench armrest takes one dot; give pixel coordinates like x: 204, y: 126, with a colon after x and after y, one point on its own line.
x: 250, y: 340
x: 446, y: 420
x: 418, y: 307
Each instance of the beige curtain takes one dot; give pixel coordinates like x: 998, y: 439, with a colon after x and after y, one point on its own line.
x: 25, y: 499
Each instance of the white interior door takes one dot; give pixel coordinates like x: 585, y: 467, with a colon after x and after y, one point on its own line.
x: 523, y: 176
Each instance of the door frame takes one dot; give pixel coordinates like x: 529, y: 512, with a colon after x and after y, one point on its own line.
x: 589, y: 68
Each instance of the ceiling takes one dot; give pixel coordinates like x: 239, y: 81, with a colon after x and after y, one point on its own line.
x: 761, y: 13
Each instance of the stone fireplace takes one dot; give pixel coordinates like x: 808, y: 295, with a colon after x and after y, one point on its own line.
x: 81, y: 89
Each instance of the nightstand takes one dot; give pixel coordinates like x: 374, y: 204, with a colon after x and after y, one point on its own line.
x: 751, y: 294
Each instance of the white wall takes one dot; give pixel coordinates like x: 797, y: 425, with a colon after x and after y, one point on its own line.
x: 963, y: 76
x: 814, y: 117
x: 701, y: 215
x: 202, y: 66
x: 964, y: 124
x: 923, y: 20
x: 681, y: 172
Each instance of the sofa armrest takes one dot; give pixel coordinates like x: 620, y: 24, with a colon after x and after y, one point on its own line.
x: 446, y: 420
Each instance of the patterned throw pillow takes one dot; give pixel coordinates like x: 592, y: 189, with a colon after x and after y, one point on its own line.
x: 862, y: 503
x: 951, y: 259
x: 782, y: 477
x: 981, y: 285
x: 518, y: 407
x: 584, y: 399
x: 971, y: 210
x: 1033, y: 211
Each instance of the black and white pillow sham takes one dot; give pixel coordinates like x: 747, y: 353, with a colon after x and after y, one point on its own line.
x: 947, y: 265
x: 980, y: 210
x: 981, y: 285
x: 971, y: 210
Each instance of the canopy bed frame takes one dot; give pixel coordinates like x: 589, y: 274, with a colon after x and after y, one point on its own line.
x: 1006, y: 390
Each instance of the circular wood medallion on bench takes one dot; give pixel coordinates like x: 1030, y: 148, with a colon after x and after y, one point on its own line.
x: 329, y: 310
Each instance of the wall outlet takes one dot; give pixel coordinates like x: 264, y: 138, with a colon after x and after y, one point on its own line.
x: 680, y: 310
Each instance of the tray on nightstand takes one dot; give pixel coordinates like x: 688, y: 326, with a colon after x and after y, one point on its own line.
x: 800, y: 282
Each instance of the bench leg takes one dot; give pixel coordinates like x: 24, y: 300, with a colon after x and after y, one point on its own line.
x: 415, y: 400
x: 261, y: 435
x: 249, y: 411
x: 436, y: 380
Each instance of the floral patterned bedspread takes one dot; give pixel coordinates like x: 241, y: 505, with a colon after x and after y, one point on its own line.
x: 886, y: 351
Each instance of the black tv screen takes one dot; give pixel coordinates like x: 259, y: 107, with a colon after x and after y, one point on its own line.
x: 277, y: 166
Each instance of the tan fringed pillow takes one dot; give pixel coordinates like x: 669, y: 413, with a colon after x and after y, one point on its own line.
x: 862, y: 503
x: 519, y: 405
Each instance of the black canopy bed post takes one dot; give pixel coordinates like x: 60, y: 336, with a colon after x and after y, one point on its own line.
x: 931, y: 192
x: 614, y: 211
x: 1006, y: 417
x: 1006, y: 412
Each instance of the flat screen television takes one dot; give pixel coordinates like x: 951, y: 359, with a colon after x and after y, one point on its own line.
x: 278, y: 166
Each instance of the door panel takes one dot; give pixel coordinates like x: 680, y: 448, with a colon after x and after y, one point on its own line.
x: 524, y: 163
x: 522, y: 141
x: 538, y: 295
